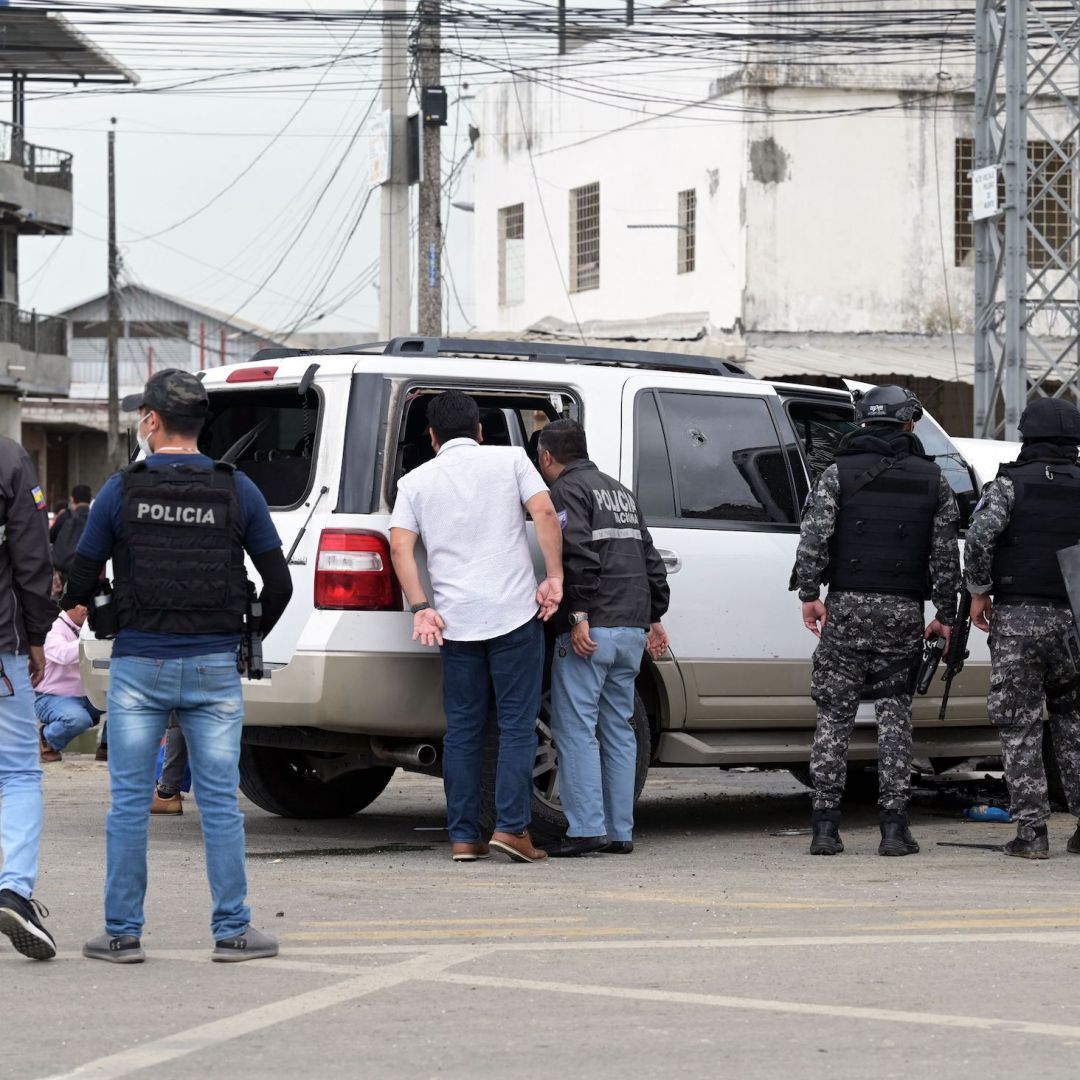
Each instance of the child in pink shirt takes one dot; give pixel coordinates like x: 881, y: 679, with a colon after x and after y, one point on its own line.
x: 62, y: 707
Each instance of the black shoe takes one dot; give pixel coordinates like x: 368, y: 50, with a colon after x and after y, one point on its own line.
x: 20, y: 920
x: 896, y: 838
x: 1073, y: 846
x: 571, y: 846
x: 624, y: 847
x: 1031, y: 842
x: 826, y: 839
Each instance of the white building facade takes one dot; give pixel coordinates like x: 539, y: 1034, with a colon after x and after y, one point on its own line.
x: 812, y: 196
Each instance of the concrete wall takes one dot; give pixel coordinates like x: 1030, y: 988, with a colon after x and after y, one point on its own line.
x: 39, y: 204
x: 641, y: 165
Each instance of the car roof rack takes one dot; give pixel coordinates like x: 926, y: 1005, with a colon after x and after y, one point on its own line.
x: 537, y: 351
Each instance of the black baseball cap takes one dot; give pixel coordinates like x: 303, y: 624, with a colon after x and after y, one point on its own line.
x: 170, y: 391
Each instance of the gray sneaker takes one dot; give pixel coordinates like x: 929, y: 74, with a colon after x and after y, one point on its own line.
x: 252, y: 944
x: 115, y: 949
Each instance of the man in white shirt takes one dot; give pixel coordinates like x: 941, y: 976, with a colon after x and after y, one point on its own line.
x: 466, y: 505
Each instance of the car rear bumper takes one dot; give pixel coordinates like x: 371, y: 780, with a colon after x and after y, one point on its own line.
x: 372, y: 694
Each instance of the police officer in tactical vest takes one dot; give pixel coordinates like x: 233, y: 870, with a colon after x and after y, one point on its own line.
x: 880, y: 527
x: 176, y: 526
x: 1026, y: 515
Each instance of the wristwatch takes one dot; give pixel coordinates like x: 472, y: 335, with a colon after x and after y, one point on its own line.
x: 417, y: 608
x: 578, y: 617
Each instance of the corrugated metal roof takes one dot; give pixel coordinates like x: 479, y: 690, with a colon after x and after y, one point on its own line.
x: 45, y: 47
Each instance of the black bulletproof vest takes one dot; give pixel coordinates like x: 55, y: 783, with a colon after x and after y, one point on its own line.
x: 881, y: 543
x: 179, y: 561
x: 1045, y: 518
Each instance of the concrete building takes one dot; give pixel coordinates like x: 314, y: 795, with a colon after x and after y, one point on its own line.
x: 775, y: 210
x: 156, y: 331
x: 36, y: 200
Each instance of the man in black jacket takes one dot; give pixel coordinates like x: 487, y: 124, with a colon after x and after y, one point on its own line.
x: 26, y: 614
x: 616, y: 593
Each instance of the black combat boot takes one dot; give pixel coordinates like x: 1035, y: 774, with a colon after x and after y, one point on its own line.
x: 826, y: 839
x: 1030, y: 842
x: 896, y: 838
x: 1073, y: 846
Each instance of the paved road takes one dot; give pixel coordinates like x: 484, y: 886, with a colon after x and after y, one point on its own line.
x: 718, y: 948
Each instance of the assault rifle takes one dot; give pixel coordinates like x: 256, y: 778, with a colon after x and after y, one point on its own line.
x: 250, y: 661
x: 958, y: 648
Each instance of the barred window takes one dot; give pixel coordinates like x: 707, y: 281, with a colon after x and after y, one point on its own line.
x: 512, y: 254
x: 687, y: 259
x: 585, y: 238
x: 1053, y: 203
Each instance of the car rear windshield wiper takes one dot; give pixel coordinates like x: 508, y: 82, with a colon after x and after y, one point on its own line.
x: 244, y: 442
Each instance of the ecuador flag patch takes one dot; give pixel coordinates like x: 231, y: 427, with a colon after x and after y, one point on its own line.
x: 39, y: 498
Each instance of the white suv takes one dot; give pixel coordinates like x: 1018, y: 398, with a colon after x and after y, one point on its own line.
x: 721, y: 463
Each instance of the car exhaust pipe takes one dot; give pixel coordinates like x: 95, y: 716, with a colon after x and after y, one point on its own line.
x: 410, y: 754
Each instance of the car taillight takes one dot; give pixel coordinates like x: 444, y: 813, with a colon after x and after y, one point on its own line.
x: 353, y: 572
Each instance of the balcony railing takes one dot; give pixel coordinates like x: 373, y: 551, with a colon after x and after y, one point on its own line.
x: 40, y: 164
x: 31, y: 331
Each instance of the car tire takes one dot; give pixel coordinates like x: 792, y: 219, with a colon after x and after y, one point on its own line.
x: 283, y: 781
x: 548, y: 820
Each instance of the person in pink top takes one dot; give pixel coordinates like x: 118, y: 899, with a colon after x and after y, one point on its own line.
x: 61, y: 705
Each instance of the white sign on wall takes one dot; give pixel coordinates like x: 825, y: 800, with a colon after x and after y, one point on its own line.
x: 377, y: 133
x: 984, y: 192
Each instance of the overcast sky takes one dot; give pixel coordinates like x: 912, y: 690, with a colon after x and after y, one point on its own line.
x: 175, y: 151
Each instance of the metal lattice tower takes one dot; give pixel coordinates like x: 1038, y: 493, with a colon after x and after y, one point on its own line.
x: 1027, y: 256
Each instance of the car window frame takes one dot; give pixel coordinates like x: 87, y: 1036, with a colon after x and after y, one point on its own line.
x: 315, y: 444
x: 410, y: 383
x: 713, y: 524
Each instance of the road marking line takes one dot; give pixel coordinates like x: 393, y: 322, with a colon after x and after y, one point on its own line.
x: 941, y: 913
x: 470, y: 933
x: 905, y: 939
x: 951, y: 924
x: 720, y: 1001
x: 450, y: 922
x: 159, y: 1051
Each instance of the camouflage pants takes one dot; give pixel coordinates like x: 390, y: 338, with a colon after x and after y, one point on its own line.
x: 867, y: 649
x: 1030, y: 665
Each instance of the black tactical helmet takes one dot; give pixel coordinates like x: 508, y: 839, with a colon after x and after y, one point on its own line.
x: 887, y: 405
x: 1050, y: 418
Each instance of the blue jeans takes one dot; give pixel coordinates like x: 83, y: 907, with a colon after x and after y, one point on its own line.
x: 64, y: 718
x: 21, y: 806
x: 514, y: 665
x: 592, y: 704
x: 205, y: 692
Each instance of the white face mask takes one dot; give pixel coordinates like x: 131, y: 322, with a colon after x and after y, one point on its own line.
x: 143, y: 440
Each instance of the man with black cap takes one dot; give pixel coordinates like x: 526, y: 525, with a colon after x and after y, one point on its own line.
x: 881, y: 528
x: 176, y: 526
x: 1029, y: 512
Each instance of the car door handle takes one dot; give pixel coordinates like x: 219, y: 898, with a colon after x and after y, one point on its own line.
x: 671, y: 560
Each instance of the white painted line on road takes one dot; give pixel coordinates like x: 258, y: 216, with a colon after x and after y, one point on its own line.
x: 156, y: 1053
x: 720, y: 1001
x: 1062, y: 937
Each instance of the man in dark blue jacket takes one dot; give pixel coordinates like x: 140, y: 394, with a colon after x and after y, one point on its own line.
x: 616, y: 593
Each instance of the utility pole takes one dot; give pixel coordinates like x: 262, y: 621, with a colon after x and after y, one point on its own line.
x: 113, y: 445
x: 429, y: 262
x: 394, y: 299
x: 1027, y: 257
